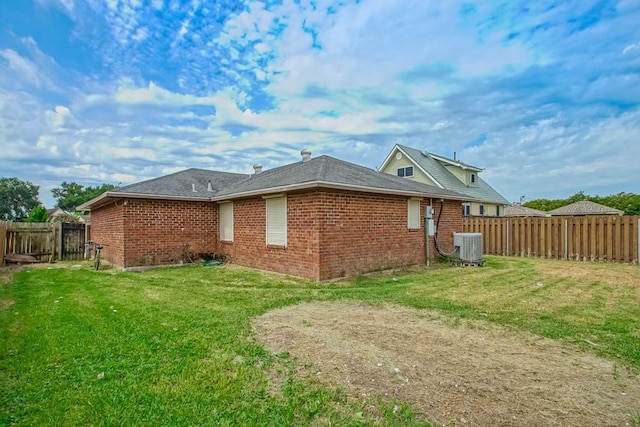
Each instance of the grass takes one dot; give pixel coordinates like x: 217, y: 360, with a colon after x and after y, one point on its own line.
x: 175, y: 346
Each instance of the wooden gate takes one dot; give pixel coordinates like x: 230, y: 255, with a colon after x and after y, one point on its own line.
x: 72, y: 241
x: 37, y: 240
x: 40, y: 242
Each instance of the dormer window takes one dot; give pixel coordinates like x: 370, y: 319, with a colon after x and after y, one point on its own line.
x: 405, y: 172
x: 473, y: 179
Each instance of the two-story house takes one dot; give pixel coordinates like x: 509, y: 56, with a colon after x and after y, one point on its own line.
x: 445, y: 173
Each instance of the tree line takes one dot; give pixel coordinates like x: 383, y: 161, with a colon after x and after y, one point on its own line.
x: 629, y: 203
x: 19, y: 199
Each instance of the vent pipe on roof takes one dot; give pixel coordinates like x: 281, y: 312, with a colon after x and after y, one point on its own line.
x: 306, y: 155
x: 454, y: 155
x: 209, y: 186
x: 257, y: 168
x: 193, y: 188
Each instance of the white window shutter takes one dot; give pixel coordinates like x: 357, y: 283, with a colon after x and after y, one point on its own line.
x: 277, y: 221
x: 226, y: 222
x: 413, y: 213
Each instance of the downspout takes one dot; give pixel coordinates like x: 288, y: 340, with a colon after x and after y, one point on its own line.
x: 426, y: 233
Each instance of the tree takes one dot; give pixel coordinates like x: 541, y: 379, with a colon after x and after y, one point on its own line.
x: 38, y: 214
x: 17, y: 198
x: 627, y: 202
x: 70, y: 195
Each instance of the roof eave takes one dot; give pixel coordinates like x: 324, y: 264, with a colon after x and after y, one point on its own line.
x: 388, y: 158
x: 456, y: 163
x: 339, y: 186
x: 415, y: 164
x: 110, y: 196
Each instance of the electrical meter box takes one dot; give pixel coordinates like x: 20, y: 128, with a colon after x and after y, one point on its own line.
x: 431, y: 228
x: 428, y: 212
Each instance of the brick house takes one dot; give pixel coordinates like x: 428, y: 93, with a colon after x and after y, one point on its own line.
x: 319, y: 218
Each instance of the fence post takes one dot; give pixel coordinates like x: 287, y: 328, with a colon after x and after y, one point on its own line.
x: 508, y: 238
x: 3, y: 241
x: 566, y: 239
x: 58, y: 241
x: 638, y: 253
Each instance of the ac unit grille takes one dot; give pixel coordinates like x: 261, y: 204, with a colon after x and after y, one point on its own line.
x: 468, y: 246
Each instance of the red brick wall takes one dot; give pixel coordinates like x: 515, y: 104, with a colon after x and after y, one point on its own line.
x: 299, y: 258
x: 364, y: 232
x: 333, y: 234
x: 330, y: 233
x: 450, y: 222
x: 140, y: 232
x: 161, y: 232
x: 107, y: 229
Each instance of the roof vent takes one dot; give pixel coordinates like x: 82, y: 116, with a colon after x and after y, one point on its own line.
x: 257, y: 168
x: 209, y: 186
x: 193, y: 188
x: 306, y: 155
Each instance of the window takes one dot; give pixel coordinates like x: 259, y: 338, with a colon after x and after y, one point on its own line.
x: 497, y: 210
x: 413, y: 213
x: 466, y: 209
x: 472, y: 179
x: 406, y: 171
x: 481, y: 209
x: 277, y: 221
x: 226, y: 222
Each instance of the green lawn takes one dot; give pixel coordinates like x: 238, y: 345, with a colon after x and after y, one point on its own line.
x: 175, y: 346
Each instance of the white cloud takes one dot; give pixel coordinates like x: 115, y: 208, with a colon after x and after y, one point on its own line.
x: 57, y: 118
x: 22, y: 68
x: 67, y: 6
x: 154, y: 94
x: 553, y: 101
x: 630, y: 48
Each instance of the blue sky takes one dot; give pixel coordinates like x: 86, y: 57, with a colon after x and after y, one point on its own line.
x: 545, y: 95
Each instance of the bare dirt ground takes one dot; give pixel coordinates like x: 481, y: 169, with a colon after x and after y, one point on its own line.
x: 467, y: 373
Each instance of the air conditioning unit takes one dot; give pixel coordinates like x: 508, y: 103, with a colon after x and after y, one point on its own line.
x: 468, y: 247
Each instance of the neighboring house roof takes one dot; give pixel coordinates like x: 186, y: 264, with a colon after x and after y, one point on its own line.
x: 432, y: 166
x: 319, y: 172
x: 585, y: 207
x: 518, y: 210
x: 56, y: 211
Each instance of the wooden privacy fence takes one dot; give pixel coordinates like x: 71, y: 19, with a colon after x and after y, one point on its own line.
x: 608, y: 238
x: 42, y: 241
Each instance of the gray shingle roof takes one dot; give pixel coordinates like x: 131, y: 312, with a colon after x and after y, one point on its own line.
x: 329, y: 170
x: 322, y: 171
x: 585, y: 207
x: 181, y: 184
x: 517, y: 210
x: 483, y: 192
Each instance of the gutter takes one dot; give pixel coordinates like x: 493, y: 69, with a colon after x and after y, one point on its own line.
x: 338, y: 186
x: 110, y: 196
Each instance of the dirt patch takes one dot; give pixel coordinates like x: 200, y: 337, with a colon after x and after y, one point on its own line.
x: 469, y: 373
x: 6, y: 303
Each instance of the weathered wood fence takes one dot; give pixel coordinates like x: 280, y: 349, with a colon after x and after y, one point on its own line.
x: 42, y: 241
x: 608, y: 238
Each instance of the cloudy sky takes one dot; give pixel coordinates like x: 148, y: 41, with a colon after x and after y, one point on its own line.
x: 545, y: 95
